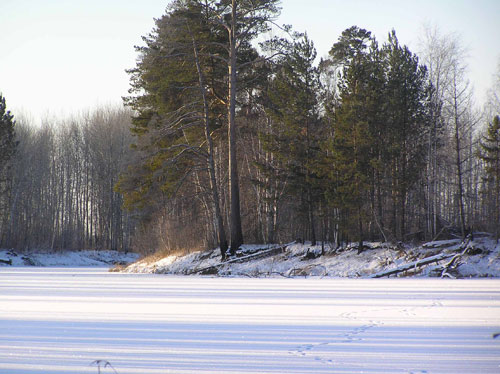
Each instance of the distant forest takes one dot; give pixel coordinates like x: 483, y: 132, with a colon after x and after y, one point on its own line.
x: 230, y: 135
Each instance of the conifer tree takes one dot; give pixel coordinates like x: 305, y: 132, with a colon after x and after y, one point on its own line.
x: 243, y: 21
x: 185, y: 90
x: 351, y: 150
x: 294, y: 109
x: 407, y: 120
x: 7, y: 134
x: 7, y: 150
x: 175, y: 83
x: 490, y: 153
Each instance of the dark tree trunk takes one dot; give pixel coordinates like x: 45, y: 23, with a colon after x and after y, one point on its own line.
x: 460, y: 187
x: 311, y: 218
x: 221, y: 233
x: 234, y: 188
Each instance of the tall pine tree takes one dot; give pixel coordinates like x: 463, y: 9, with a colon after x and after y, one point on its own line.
x: 177, y: 93
x: 407, y: 121
x: 7, y: 150
x: 243, y: 21
x: 490, y: 153
x: 354, y: 119
x: 294, y: 110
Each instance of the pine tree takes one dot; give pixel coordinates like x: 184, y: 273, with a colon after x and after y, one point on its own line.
x: 406, y: 95
x: 189, y: 74
x: 490, y: 147
x: 8, y: 146
x: 294, y: 110
x: 176, y: 89
x: 184, y: 91
x: 379, y: 117
x: 243, y: 21
x: 354, y: 121
x: 7, y: 134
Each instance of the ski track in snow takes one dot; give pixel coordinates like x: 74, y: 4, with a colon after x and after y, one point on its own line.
x: 61, y: 320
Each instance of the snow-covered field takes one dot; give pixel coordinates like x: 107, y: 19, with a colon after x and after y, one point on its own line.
x: 60, y: 320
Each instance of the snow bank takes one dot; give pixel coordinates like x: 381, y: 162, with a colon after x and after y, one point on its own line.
x: 297, y: 259
x: 67, y: 259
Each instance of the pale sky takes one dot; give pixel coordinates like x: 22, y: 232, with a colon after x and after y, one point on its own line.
x: 59, y: 57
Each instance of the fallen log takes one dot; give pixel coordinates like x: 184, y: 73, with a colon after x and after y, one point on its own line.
x: 466, y: 246
x: 7, y: 262
x: 213, y: 269
x: 462, y: 250
x: 413, y: 265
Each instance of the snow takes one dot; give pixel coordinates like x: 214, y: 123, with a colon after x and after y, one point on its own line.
x: 85, y: 258
x: 378, y: 258
x: 61, y: 320
x: 412, y: 265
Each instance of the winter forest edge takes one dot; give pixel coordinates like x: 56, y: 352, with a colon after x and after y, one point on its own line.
x: 223, y: 141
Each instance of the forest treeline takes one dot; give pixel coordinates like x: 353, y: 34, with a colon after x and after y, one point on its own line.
x: 236, y: 141
x: 58, y: 186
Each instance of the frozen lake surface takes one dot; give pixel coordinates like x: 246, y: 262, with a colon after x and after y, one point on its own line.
x: 61, y: 320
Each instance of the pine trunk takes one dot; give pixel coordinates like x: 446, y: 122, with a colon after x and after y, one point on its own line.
x: 234, y: 189
x: 221, y: 233
x: 460, y: 186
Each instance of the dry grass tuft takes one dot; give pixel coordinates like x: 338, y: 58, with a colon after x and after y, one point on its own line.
x: 166, y: 252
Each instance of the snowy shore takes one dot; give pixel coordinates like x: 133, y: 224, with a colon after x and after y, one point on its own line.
x: 482, y: 259
x: 66, y: 258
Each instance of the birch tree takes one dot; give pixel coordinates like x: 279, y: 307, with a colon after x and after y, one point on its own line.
x: 460, y: 121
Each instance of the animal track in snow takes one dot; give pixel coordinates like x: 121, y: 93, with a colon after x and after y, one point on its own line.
x: 355, y: 335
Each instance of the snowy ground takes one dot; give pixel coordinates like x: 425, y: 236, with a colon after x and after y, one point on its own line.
x: 60, y: 320
x: 66, y: 258
x: 482, y: 261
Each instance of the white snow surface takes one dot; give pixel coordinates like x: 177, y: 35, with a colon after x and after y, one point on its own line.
x: 85, y: 258
x: 336, y: 262
x: 60, y: 320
